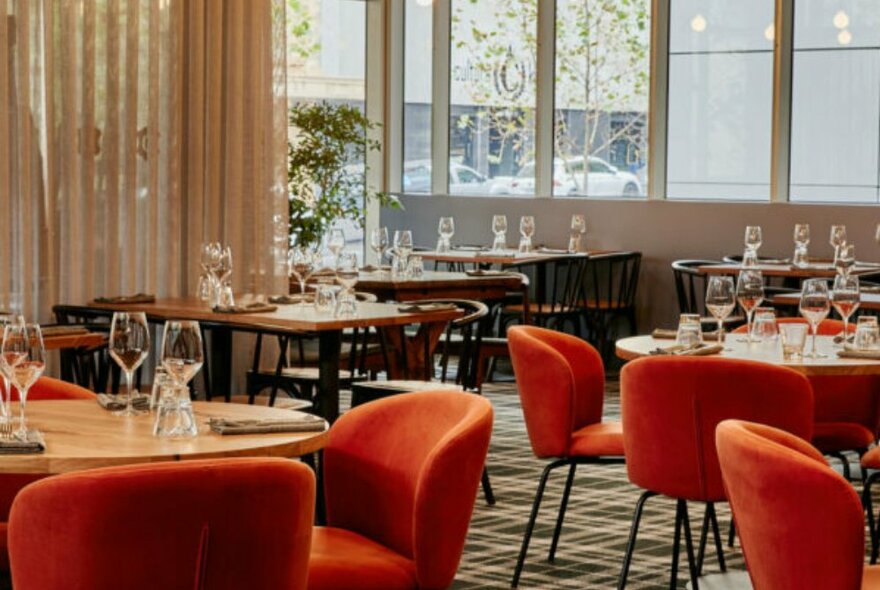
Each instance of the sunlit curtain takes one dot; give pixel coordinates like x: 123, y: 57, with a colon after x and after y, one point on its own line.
x: 130, y: 132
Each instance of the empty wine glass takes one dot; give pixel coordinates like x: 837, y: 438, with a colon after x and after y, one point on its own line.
x: 578, y: 228
x: 846, y: 300
x: 182, y: 350
x: 6, y: 319
x: 403, y: 243
x: 129, y: 346
x: 335, y: 242
x: 801, y: 241
x: 845, y: 259
x: 720, y: 300
x: 446, y: 229
x: 527, y: 230
x: 753, y: 240
x: 24, y: 359
x: 379, y: 242
x: 499, y: 228
x: 814, y: 306
x: 837, y: 238
x: 224, y: 265
x: 301, y: 264
x: 750, y: 294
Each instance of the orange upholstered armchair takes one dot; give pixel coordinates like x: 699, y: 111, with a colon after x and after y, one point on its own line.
x: 561, y: 384
x: 212, y: 525
x: 45, y: 388
x: 671, y: 406
x: 800, y: 523
x: 400, y: 481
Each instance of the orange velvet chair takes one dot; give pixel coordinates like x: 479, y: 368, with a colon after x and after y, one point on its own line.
x: 561, y: 384
x: 45, y: 388
x: 207, y: 525
x: 800, y: 523
x: 400, y: 480
x: 847, y: 406
x: 671, y: 406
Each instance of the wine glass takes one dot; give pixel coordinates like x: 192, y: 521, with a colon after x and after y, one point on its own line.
x: 845, y: 259
x: 499, y: 228
x: 845, y: 299
x: 224, y: 265
x: 182, y: 350
x: 801, y: 241
x: 6, y: 319
x: 446, y: 229
x: 750, y: 294
x: 720, y: 300
x: 129, y: 346
x: 24, y: 359
x: 578, y: 228
x: 753, y: 238
x: 403, y: 244
x: 814, y: 306
x: 837, y: 238
x: 527, y: 230
x: 379, y: 242
x: 301, y: 264
x: 336, y: 242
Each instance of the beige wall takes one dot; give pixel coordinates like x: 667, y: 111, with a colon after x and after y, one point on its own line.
x: 662, y: 230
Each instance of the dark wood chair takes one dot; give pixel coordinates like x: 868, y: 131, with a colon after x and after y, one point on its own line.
x: 690, y: 289
x: 610, y: 284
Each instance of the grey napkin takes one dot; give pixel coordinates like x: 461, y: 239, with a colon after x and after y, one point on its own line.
x: 296, y: 423
x: 426, y: 307
x: 64, y: 330
x: 115, y: 403
x: 292, y: 299
x: 487, y: 273
x: 255, y: 307
x: 852, y: 353
x: 698, y: 350
x: 32, y: 443
x: 136, y: 298
x: 545, y: 250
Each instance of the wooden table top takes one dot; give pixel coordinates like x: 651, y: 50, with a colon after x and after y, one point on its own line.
x: 509, y: 256
x: 813, y: 270
x: 868, y: 300
x: 79, y: 434
x: 436, y: 279
x: 638, y: 346
x: 287, y: 318
x: 64, y: 341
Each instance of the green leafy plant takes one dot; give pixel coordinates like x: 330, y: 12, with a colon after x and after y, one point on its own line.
x: 327, y: 169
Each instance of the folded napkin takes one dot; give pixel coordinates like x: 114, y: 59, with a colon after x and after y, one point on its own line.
x: 296, y: 423
x: 115, y: 403
x: 255, y: 307
x: 136, y: 298
x: 545, y: 250
x: 665, y: 334
x: 291, y: 299
x: 853, y: 353
x: 839, y: 338
x: 32, y: 442
x: 426, y: 307
x: 469, y: 248
x: 698, y: 350
x: 481, y: 272
x: 63, y: 330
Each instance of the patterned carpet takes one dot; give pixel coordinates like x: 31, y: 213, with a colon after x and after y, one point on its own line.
x: 596, y: 526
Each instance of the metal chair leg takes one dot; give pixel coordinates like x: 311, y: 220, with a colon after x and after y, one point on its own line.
x: 719, y: 546
x: 731, y: 533
x: 689, y: 546
x: 631, y: 544
x: 562, y: 506
x: 704, y: 535
x: 676, y: 545
x: 487, y: 487
x: 536, y: 505
x: 868, y: 503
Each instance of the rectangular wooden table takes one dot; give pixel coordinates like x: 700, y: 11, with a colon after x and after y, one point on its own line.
x: 435, y: 284
x: 814, y: 270
x: 287, y: 319
x: 502, y: 258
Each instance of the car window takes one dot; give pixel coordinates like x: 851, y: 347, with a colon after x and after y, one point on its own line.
x: 466, y: 176
x: 597, y: 166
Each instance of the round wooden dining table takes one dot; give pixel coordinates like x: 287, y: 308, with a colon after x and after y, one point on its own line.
x: 735, y: 347
x: 80, y: 434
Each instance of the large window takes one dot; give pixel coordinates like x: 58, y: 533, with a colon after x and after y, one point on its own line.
x: 417, y: 87
x: 835, y: 127
x: 720, y: 99
x: 601, y: 98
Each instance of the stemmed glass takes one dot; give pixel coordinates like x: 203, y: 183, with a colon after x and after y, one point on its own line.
x: 347, y: 276
x: 753, y: 241
x: 837, y: 238
x: 24, y: 360
x: 750, y: 294
x: 720, y: 301
x: 403, y: 244
x: 814, y: 306
x: 301, y: 264
x: 527, y: 230
x: 499, y: 228
x: 379, y: 242
x: 578, y: 228
x: 801, y: 241
x: 6, y: 320
x: 129, y: 346
x: 446, y: 229
x: 207, y: 261
x: 845, y: 299
x: 336, y: 243
x: 182, y: 351
x: 845, y: 259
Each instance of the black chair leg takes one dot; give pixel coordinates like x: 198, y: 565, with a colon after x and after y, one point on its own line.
x: 689, y: 546
x: 868, y: 503
x: 487, y: 487
x: 536, y: 505
x: 562, y: 506
x: 704, y: 536
x: 631, y: 544
x: 676, y: 545
x: 731, y: 533
x: 719, y: 547
x: 843, y: 461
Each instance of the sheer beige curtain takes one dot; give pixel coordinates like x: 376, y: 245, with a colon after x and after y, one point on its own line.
x: 133, y: 131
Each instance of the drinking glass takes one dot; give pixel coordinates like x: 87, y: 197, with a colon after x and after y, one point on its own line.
x: 325, y: 298
x: 182, y: 351
x: 129, y: 346
x: 814, y: 306
x: 499, y: 228
x: 720, y: 300
x: 403, y: 244
x: 24, y: 357
x: 801, y: 241
x: 347, y: 277
x: 415, y: 268
x: 867, y: 333
x: 845, y: 258
x: 838, y: 238
x: 764, y: 330
x: 336, y: 243
x: 750, y: 294
x: 527, y: 230
x: 301, y: 264
x: 578, y: 228
x: 794, y: 337
x: 379, y: 242
x: 446, y: 229
x: 690, y: 331
x: 845, y: 299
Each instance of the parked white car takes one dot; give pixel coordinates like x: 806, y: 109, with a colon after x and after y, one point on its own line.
x: 603, y: 179
x: 463, y: 180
